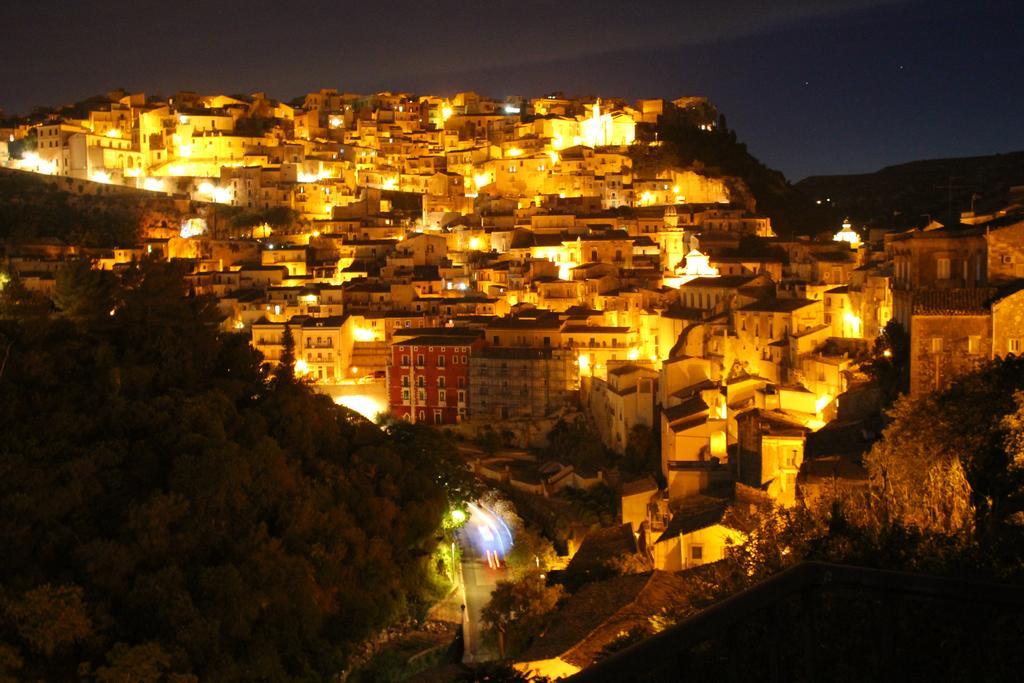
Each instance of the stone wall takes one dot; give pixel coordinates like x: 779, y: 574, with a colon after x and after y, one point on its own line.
x: 934, y: 365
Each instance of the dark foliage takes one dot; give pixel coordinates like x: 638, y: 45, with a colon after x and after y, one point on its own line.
x: 719, y: 153
x: 890, y: 361
x: 166, y: 511
x: 33, y: 208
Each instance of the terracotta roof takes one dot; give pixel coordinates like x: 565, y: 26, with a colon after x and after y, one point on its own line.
x: 778, y: 305
x: 600, y: 546
x: 694, y: 518
x: 975, y: 301
x: 645, y: 485
x: 598, y: 613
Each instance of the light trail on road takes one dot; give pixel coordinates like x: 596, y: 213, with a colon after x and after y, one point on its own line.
x: 491, y: 536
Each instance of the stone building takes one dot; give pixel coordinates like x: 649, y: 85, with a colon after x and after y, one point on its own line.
x: 521, y: 382
x: 950, y: 334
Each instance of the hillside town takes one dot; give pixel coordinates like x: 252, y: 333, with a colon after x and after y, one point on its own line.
x: 497, y: 268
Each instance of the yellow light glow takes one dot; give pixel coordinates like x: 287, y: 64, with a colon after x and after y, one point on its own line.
x: 185, y: 151
x: 554, y: 156
x: 633, y: 354
x: 301, y: 367
x: 176, y: 169
x: 335, y: 122
x: 182, y: 119
x: 848, y: 234
x: 355, y: 370
x: 310, y: 298
x: 363, y: 334
x: 389, y: 184
x: 100, y: 177
x: 153, y: 185
x: 113, y: 133
x: 481, y: 179
x: 474, y: 243
x: 514, y: 152
x: 646, y: 198
x: 446, y: 112
x: 822, y: 402
x: 853, y: 323
x: 367, y: 406
x: 718, y: 444
x: 584, y: 362
x: 192, y: 227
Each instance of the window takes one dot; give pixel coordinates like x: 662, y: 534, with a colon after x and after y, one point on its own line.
x: 1013, y: 345
x: 405, y: 395
x: 942, y: 270
x: 973, y: 344
x: 790, y: 458
x: 420, y: 362
x: 936, y: 344
x: 697, y: 552
x: 462, y: 396
x: 405, y: 380
x: 440, y: 361
x: 440, y: 382
x: 442, y: 396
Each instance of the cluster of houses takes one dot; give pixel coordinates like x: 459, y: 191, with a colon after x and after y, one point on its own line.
x: 475, y: 263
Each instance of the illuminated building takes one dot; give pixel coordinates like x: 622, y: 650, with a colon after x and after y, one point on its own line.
x: 428, y: 378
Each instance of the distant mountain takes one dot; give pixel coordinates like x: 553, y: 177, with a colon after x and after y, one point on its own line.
x: 906, y: 195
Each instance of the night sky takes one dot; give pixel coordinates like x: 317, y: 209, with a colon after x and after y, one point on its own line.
x: 813, y: 86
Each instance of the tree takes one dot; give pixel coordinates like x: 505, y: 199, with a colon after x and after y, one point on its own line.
x: 575, y: 443
x: 890, y: 361
x: 50, y: 617
x: 165, y: 511
x: 945, y: 462
x: 643, y: 452
x: 285, y: 371
x: 82, y: 293
x: 916, y: 474
x: 530, y: 552
x: 519, y: 609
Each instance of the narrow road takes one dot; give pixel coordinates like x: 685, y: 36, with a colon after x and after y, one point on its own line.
x: 483, y: 546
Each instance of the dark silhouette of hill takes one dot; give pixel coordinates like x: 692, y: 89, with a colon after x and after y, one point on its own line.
x: 908, y: 194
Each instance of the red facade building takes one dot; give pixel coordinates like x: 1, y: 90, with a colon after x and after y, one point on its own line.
x: 428, y: 378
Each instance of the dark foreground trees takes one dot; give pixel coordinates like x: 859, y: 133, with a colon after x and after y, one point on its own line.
x: 167, y: 513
